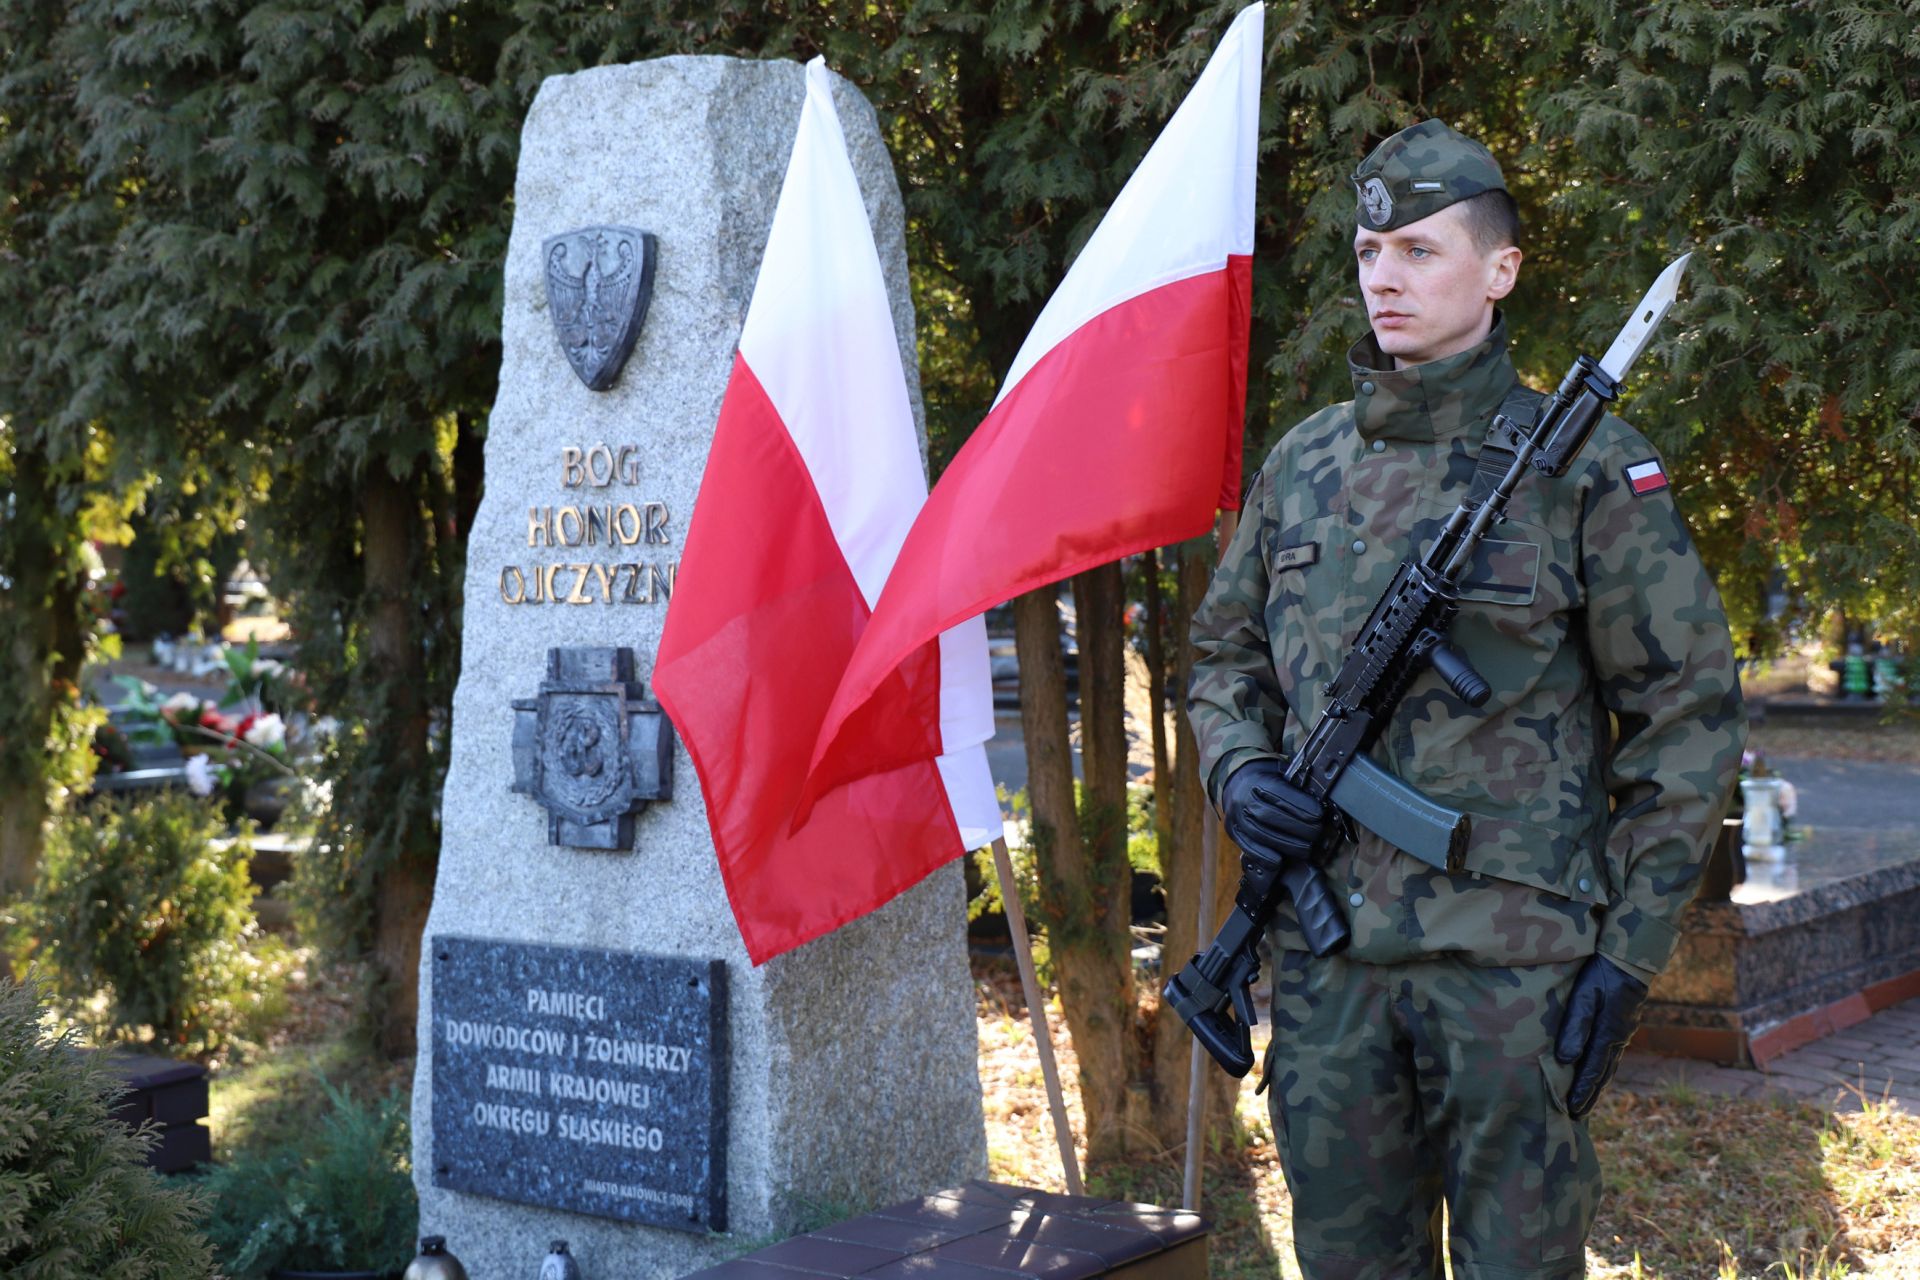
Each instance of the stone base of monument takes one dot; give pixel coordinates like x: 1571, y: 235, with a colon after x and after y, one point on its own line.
x: 1803, y: 948
x: 987, y: 1230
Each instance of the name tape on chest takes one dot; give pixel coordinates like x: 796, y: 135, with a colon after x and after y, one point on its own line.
x: 1298, y: 557
x: 1646, y: 477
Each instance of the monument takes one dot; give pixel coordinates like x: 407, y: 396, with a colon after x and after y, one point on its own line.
x: 598, y: 1060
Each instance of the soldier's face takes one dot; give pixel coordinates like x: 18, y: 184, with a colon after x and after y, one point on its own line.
x: 1429, y: 288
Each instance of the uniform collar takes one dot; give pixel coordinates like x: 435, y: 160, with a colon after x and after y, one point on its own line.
x: 1431, y: 402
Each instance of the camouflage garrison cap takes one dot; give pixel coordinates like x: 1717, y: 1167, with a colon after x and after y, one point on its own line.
x: 1420, y: 171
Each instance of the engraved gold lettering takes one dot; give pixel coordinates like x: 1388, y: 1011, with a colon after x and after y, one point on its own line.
x: 599, y: 526
x: 629, y: 464
x: 598, y: 477
x: 657, y: 522
x: 606, y: 576
x: 539, y: 526
x: 579, y: 533
x: 548, y: 573
x: 626, y: 524
x: 578, y: 594
x: 519, y: 588
x: 572, y: 475
x: 660, y: 584
x: 539, y: 593
x: 634, y: 576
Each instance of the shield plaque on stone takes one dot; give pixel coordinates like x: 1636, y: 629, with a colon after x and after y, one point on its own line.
x: 599, y: 280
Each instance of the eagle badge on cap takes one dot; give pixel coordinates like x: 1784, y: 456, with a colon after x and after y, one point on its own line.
x: 1377, y: 201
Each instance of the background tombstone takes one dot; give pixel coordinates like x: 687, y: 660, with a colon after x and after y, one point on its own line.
x: 847, y: 1067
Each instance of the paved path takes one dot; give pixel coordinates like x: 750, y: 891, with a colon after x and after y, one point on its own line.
x: 1841, y: 794
x: 1878, y: 1059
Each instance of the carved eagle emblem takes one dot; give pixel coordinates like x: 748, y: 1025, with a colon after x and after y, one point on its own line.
x: 599, y: 281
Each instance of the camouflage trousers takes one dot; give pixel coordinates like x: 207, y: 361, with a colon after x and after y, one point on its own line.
x: 1397, y: 1088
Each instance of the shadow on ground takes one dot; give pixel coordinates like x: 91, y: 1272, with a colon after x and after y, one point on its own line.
x: 1698, y: 1185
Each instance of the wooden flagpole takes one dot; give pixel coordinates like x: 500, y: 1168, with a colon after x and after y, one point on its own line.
x: 1037, y: 1011
x: 1210, y: 856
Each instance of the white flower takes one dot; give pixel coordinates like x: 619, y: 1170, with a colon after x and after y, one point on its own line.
x: 199, y: 776
x: 1789, y: 799
x: 182, y: 701
x: 267, y: 733
x: 268, y: 667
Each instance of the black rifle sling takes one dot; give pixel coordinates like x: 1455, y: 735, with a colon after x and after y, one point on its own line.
x: 1497, y: 448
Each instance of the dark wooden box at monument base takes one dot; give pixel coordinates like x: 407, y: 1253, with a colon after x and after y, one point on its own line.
x: 989, y: 1231
x: 174, y: 1096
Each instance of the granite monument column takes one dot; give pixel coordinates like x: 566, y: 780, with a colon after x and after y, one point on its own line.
x: 597, y: 1056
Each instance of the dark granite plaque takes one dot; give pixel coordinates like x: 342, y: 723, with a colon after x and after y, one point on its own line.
x: 581, y: 1079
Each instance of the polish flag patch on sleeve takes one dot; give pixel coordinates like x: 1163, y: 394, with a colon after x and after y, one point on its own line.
x: 1646, y: 477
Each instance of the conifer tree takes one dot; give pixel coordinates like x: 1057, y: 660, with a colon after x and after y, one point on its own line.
x: 76, y: 1197
x: 315, y: 197
x: 57, y: 468
x: 316, y: 204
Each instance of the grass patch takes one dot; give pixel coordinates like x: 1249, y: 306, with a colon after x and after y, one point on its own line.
x: 1698, y: 1185
x: 268, y: 1096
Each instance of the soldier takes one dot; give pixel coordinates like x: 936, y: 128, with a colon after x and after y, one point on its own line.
x: 1452, y: 1051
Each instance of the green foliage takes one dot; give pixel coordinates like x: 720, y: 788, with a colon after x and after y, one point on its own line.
x: 135, y: 897
x: 305, y: 282
x: 60, y: 481
x: 76, y: 1198
x: 254, y: 261
x: 340, y: 1197
x: 1776, y: 139
x: 1143, y: 838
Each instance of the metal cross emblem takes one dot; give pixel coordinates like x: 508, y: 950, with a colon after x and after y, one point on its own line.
x: 599, y: 281
x: 591, y: 748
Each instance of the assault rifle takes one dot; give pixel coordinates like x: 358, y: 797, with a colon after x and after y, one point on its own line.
x: 1405, y: 634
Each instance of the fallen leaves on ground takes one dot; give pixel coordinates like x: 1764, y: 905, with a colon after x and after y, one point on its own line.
x: 1698, y: 1187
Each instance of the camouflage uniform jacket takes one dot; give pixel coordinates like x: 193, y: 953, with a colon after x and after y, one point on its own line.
x: 1597, y: 772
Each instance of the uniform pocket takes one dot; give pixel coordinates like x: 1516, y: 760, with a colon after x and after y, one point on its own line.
x: 1536, y: 856
x: 1569, y: 1171
x: 1504, y: 571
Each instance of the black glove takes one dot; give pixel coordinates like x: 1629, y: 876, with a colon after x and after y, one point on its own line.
x: 1602, y: 1011
x: 1264, y: 813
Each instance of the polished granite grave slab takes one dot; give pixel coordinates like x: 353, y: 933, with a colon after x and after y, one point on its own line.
x: 1803, y: 948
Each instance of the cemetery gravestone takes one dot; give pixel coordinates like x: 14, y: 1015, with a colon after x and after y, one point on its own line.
x: 598, y: 1060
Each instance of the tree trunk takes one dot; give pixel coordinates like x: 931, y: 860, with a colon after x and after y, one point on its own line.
x: 1078, y: 930
x: 29, y: 715
x: 1103, y: 962
x: 1180, y: 860
x: 1156, y: 633
x: 390, y: 520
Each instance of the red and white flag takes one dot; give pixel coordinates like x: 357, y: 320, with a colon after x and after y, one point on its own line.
x: 811, y: 486
x: 1117, y: 429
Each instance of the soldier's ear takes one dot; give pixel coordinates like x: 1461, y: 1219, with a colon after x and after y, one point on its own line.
x: 1503, y: 271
